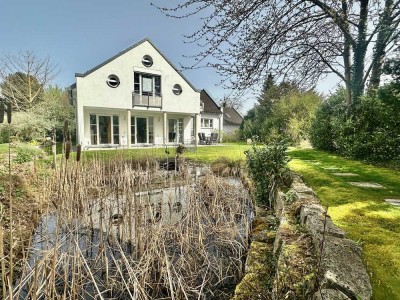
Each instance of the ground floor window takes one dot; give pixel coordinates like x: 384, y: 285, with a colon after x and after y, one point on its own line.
x: 142, y: 130
x: 206, y: 123
x: 104, y: 129
x: 93, y: 129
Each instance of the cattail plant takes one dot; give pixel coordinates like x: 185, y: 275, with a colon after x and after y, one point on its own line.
x: 68, y: 146
x: 118, y: 234
x: 78, y: 152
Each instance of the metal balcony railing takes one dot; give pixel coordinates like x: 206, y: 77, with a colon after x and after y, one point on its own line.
x: 146, y: 100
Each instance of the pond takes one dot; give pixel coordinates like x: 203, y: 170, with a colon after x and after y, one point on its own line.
x: 124, y: 242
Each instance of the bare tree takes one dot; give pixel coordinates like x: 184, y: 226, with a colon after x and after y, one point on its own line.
x: 300, y: 41
x: 23, y: 78
x: 230, y: 101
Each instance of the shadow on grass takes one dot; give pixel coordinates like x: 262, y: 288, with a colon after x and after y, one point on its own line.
x: 360, y: 211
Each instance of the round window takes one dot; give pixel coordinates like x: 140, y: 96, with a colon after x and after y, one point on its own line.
x: 113, y: 81
x: 177, y: 89
x: 147, y: 61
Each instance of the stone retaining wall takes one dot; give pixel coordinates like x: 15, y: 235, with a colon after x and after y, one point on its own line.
x: 342, y: 274
x: 306, y: 256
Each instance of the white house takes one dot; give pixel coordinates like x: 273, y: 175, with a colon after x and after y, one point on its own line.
x: 211, y: 115
x: 136, y: 98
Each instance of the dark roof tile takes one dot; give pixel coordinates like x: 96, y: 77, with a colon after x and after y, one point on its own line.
x: 209, y: 104
x: 231, y: 116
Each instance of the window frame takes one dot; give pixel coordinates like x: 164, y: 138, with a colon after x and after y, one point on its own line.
x: 112, y: 133
x: 155, y: 84
x: 207, y: 123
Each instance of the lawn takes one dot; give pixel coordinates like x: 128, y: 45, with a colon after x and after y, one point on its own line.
x: 361, y: 212
x: 208, y: 154
x: 202, y: 154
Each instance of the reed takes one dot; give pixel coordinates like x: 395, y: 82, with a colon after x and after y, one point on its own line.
x: 125, y: 229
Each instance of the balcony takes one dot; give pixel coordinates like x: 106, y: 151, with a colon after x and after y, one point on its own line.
x: 146, y: 100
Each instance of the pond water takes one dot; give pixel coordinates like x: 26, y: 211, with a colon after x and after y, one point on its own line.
x: 113, y: 231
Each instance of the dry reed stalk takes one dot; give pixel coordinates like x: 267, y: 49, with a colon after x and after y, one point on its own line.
x: 181, y: 254
x: 3, y: 266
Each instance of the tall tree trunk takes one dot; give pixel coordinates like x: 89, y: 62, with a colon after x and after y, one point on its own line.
x: 346, y: 54
x: 382, y: 39
x: 360, y: 50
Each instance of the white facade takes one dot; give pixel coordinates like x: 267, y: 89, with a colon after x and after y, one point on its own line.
x: 127, y: 101
x: 230, y: 128
x: 211, y: 123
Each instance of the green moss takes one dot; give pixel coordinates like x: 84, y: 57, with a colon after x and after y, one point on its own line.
x: 361, y: 212
x: 259, y: 273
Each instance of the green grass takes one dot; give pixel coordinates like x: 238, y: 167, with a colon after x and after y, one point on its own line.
x: 209, y: 154
x: 361, y: 212
x: 203, y: 154
x: 3, y: 149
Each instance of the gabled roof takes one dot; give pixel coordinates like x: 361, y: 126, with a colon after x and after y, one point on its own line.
x: 129, y: 49
x: 231, y: 116
x: 72, y: 86
x: 209, y: 104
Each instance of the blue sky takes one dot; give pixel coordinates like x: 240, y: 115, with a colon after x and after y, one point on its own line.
x: 79, y: 34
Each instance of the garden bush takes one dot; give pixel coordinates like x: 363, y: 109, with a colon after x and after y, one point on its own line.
x: 267, y: 166
x: 232, y: 137
x: 27, y: 152
x: 372, y: 133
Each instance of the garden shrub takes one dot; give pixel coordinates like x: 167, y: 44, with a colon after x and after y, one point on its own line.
x: 231, y: 137
x: 321, y: 130
x: 372, y: 133
x: 27, y: 152
x: 267, y: 166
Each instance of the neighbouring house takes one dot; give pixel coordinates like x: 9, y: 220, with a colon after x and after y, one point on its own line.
x: 211, y: 116
x: 137, y: 98
x: 232, y: 119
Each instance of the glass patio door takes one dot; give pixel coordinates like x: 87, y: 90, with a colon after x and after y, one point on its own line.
x: 172, y: 130
x: 175, y: 130
x: 141, y: 130
x: 105, y: 129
